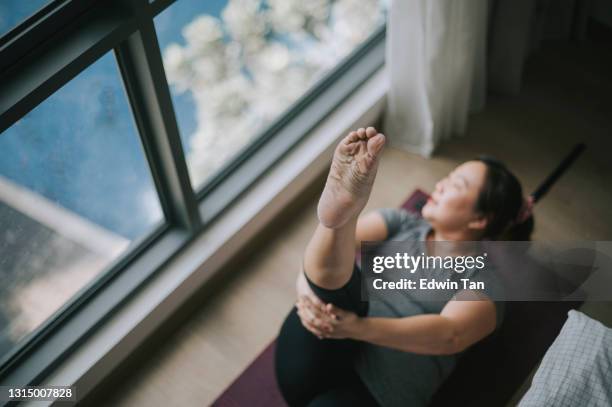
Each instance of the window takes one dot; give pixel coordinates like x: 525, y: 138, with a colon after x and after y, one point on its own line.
x: 106, y: 173
x: 65, y: 213
x: 13, y: 12
x: 234, y: 68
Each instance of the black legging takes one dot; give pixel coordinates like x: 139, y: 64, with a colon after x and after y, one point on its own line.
x: 319, y: 372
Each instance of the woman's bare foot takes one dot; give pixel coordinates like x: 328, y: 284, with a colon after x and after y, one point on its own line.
x: 350, y: 178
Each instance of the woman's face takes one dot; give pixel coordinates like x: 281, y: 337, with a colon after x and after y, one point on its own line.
x: 452, y: 204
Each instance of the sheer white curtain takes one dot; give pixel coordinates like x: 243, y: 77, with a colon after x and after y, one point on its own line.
x: 437, y: 70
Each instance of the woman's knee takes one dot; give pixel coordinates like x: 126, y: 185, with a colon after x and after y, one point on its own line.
x: 347, y: 297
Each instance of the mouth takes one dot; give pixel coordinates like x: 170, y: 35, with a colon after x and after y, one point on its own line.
x: 431, y: 200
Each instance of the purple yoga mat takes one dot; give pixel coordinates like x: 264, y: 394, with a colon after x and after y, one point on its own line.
x: 256, y: 386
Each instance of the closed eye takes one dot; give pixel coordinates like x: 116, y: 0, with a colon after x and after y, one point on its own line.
x: 459, y: 181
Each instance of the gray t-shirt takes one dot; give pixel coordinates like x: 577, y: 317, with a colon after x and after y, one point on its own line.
x: 397, y: 378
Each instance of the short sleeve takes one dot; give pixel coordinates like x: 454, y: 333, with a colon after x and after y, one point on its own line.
x: 494, y: 290
x: 397, y: 219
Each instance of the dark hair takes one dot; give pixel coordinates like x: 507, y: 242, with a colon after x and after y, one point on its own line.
x: 500, y: 201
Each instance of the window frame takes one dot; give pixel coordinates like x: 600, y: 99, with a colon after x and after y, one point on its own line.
x: 52, y: 47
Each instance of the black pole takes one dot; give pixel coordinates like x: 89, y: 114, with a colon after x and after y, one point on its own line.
x: 556, y: 174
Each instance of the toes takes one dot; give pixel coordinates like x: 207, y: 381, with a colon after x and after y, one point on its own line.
x: 375, y: 144
x: 360, y: 134
x: 352, y: 143
x: 351, y: 138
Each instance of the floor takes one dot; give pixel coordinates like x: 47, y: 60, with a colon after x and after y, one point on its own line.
x: 567, y: 99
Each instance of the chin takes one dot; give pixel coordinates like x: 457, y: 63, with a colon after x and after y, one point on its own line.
x: 427, y: 212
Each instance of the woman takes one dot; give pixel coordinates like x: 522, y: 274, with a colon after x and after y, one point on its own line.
x: 335, y: 349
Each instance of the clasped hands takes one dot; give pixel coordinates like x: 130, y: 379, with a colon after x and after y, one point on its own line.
x: 324, y: 320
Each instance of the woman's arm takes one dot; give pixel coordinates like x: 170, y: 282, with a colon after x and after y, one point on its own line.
x: 370, y: 227
x: 459, y: 325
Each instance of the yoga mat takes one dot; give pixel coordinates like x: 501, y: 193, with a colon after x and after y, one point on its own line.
x: 256, y: 386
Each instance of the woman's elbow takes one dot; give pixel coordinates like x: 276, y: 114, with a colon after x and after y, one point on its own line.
x: 459, y: 340
x: 452, y: 345
x: 453, y: 342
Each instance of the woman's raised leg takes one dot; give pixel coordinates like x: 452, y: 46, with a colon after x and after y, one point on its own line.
x: 307, y: 367
x: 330, y: 254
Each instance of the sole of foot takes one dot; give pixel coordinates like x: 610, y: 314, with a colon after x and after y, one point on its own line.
x: 351, y: 177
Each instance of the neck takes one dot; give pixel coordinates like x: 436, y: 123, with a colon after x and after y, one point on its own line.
x: 452, y: 235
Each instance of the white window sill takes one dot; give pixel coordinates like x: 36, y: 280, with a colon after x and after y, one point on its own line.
x: 122, y: 334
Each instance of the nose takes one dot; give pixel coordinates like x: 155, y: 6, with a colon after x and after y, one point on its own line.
x: 440, y: 185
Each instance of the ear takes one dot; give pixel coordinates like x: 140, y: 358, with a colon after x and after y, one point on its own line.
x: 480, y: 223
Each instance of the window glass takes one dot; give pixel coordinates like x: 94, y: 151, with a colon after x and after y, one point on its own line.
x: 235, y: 66
x: 75, y: 191
x: 13, y: 12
